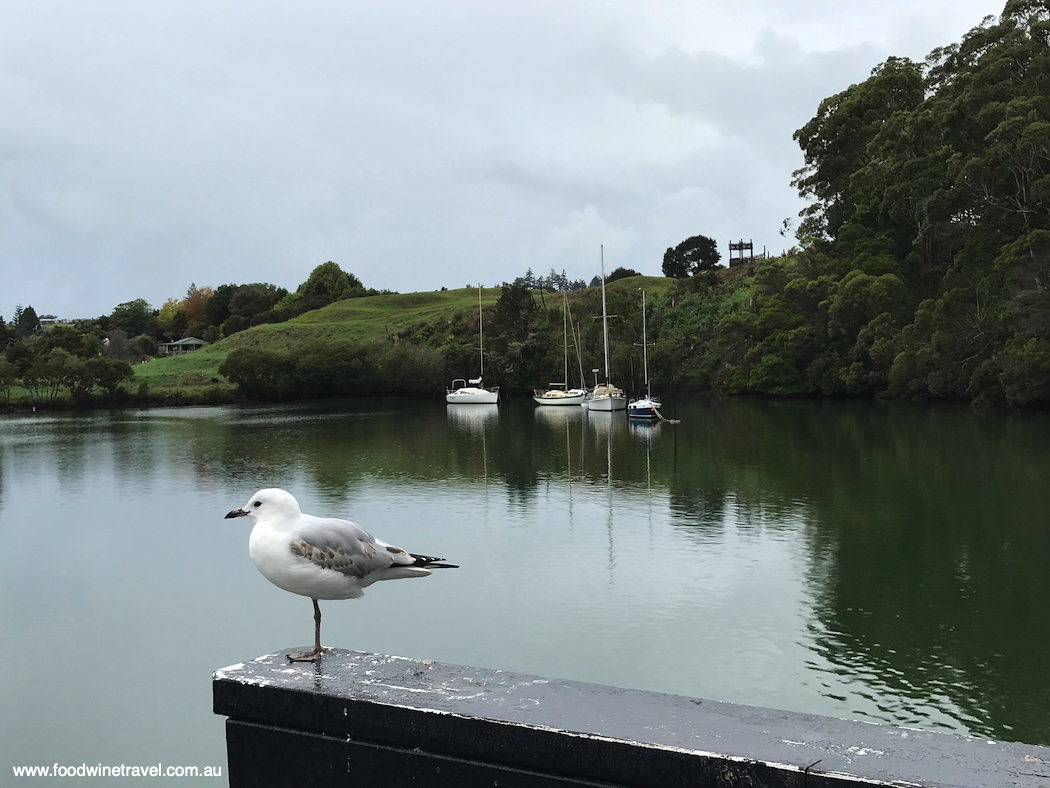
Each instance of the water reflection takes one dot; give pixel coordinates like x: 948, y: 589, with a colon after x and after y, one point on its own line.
x: 643, y: 429
x: 872, y: 561
x: 473, y: 419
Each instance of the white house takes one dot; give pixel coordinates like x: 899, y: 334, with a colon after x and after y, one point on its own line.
x: 187, y: 345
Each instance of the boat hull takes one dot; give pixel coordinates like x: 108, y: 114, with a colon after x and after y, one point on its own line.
x: 643, y: 409
x: 605, y: 403
x: 560, y: 398
x: 470, y: 395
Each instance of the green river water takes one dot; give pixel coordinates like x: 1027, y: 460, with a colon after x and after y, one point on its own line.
x: 881, y: 562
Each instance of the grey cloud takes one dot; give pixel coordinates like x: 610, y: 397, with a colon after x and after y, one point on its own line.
x: 147, y: 146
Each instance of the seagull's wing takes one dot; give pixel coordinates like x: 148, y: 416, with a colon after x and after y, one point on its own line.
x: 346, y: 547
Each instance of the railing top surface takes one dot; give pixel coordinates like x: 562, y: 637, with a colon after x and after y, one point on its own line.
x: 357, y: 693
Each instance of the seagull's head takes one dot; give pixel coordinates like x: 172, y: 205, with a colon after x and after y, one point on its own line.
x: 267, y: 505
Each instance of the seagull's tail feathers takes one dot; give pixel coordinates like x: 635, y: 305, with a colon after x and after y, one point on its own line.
x: 429, y: 562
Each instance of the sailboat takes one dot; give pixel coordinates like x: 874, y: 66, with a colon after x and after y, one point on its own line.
x: 646, y: 407
x: 560, y: 393
x: 472, y: 392
x: 605, y: 396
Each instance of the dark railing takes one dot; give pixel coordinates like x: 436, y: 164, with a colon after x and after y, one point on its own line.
x: 367, y: 719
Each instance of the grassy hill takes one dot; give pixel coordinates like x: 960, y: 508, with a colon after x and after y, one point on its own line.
x: 365, y: 320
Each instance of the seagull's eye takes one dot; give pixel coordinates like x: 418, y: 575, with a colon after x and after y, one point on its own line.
x: 258, y: 504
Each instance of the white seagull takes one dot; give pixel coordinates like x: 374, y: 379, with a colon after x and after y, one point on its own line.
x: 322, y: 558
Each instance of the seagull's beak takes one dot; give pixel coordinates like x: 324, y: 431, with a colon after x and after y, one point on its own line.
x: 236, y: 513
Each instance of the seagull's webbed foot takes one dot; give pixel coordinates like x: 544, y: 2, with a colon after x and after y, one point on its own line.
x: 314, y: 654
x: 306, y: 656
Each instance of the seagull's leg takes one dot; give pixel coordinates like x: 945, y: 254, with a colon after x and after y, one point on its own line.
x: 317, y: 628
x: 310, y: 656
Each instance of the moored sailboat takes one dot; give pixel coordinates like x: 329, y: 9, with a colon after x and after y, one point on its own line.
x: 560, y: 393
x: 644, y: 407
x: 473, y: 391
x: 605, y: 396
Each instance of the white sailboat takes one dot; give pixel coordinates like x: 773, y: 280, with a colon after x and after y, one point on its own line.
x: 473, y: 392
x: 645, y: 407
x: 560, y: 393
x: 605, y: 396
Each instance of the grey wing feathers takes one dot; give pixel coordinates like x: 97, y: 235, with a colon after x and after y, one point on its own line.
x: 342, y: 546
x: 348, y: 548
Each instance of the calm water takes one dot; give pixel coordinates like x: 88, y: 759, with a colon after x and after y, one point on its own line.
x: 876, y: 562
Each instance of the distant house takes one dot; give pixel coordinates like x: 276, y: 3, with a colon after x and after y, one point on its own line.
x: 187, y: 345
x: 48, y: 321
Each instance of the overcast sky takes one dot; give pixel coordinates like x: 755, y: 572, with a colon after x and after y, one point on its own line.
x: 145, y: 146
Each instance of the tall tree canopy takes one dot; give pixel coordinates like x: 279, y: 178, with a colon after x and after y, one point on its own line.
x: 133, y: 318
x: 924, y: 267
x: 692, y: 256
x: 194, y: 306
x: 25, y: 320
x: 327, y: 283
x: 620, y: 273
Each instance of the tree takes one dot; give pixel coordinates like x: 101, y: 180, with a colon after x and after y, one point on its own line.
x: 25, y: 320
x: 233, y: 324
x: 110, y: 373
x: 692, y: 256
x: 218, y: 307
x: 119, y: 347
x: 8, y: 377
x: 621, y: 273
x: 255, y: 299
x: 328, y: 283
x: 134, y: 318
x: 514, y: 312
x: 260, y: 373
x: 194, y: 305
x: 513, y: 339
x: 49, y: 373
x: 144, y: 346
x: 179, y: 326
x: 65, y: 337
x: 674, y: 266
x: 836, y: 142
x: 167, y: 316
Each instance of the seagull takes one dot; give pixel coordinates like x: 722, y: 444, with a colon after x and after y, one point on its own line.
x: 322, y: 558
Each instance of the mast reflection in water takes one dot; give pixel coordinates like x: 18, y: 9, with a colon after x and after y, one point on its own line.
x: 859, y: 560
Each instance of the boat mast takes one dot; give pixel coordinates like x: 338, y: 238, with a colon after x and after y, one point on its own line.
x: 565, y: 329
x: 645, y: 348
x: 605, y: 317
x: 577, y: 340
x: 481, y: 334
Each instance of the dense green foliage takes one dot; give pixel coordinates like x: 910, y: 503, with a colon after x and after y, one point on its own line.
x: 620, y: 273
x: 326, y: 284
x: 925, y: 258
x: 234, y: 308
x: 90, y: 362
x: 524, y: 346
x: 525, y: 336
x: 62, y: 365
x: 346, y: 369
x: 692, y: 256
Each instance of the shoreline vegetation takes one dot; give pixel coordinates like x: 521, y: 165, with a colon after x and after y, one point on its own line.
x: 922, y: 272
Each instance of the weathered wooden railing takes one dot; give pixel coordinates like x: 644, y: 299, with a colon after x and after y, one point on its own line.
x: 370, y: 720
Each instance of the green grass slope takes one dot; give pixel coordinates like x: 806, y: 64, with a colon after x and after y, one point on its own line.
x: 368, y: 319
